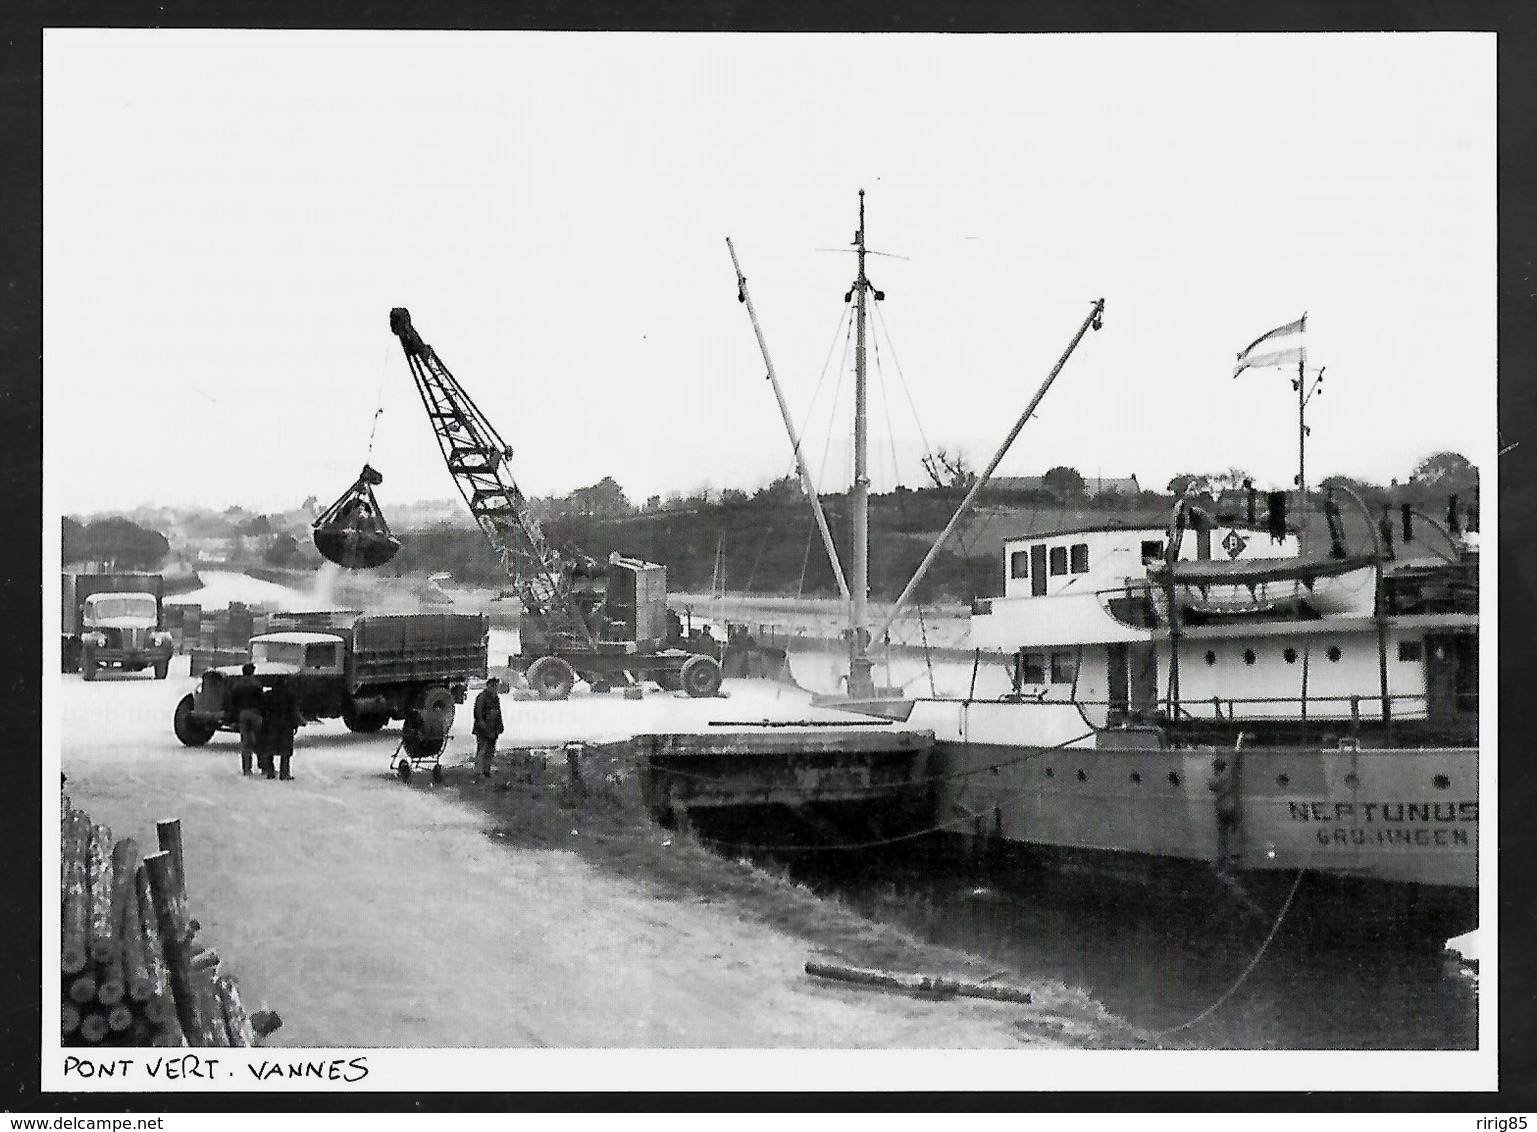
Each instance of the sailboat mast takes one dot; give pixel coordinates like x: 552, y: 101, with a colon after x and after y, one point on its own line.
x: 860, y: 682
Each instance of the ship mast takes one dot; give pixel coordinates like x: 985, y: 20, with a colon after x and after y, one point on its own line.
x: 860, y: 683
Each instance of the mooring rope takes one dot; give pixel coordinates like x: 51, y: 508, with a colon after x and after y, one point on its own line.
x: 1247, y: 971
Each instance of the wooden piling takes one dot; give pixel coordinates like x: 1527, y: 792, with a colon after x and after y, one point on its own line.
x: 176, y: 940
x: 168, y: 835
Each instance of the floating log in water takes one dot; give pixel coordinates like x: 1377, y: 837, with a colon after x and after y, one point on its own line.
x: 933, y: 985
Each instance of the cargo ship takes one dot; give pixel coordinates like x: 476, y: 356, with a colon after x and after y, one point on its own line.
x: 1218, y: 699
x: 1324, y: 736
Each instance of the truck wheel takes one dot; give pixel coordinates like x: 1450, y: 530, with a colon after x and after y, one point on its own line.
x: 188, y: 730
x: 88, y: 668
x: 551, y: 678
x: 427, y: 725
x: 162, y: 669
x: 700, y: 676
x: 363, y: 722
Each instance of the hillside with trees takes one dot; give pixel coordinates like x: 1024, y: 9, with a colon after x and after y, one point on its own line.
x: 764, y: 541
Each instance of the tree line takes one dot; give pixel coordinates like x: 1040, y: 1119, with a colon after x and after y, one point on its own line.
x: 762, y: 541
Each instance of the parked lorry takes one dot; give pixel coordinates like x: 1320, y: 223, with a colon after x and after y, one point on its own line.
x: 114, y: 621
x: 366, y: 672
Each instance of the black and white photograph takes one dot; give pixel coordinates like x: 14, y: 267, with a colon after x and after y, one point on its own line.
x: 829, y: 561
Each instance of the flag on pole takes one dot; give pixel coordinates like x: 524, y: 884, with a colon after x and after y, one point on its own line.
x: 1281, y: 346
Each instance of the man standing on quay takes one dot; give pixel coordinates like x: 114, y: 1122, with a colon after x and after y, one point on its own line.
x: 245, y: 697
x: 488, y: 725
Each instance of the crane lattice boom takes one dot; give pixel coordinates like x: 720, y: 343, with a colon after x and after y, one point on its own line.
x: 477, y: 457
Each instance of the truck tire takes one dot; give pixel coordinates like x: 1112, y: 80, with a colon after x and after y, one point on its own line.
x: 188, y: 730
x: 700, y: 676
x: 551, y: 678
x: 427, y: 724
x: 363, y: 722
x: 88, y: 667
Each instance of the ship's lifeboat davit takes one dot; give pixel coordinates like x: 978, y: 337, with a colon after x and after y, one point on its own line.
x: 352, y: 531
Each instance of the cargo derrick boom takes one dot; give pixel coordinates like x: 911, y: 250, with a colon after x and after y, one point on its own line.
x: 477, y: 458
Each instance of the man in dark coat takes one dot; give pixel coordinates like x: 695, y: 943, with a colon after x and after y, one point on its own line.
x: 245, y: 696
x: 488, y: 726
x: 280, y: 719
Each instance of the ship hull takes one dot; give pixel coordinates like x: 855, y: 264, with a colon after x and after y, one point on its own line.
x: 1392, y: 831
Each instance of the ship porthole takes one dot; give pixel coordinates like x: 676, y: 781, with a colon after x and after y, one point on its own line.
x: 1333, y: 653
x: 1440, y: 782
x: 1173, y: 778
x: 1283, y: 780
x: 1290, y: 655
x: 1248, y: 656
x: 1211, y: 657
x: 1136, y: 778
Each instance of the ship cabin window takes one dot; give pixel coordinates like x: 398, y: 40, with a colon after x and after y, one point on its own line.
x: 1064, y: 668
x: 1058, y: 560
x: 1152, y: 550
x: 1019, y: 564
x: 1080, y: 557
x: 1410, y: 651
x: 1032, y: 667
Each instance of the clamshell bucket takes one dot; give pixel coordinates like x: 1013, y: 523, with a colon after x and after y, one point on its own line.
x: 352, y: 531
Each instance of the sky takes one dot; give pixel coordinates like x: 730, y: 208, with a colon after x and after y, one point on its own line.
x: 229, y: 217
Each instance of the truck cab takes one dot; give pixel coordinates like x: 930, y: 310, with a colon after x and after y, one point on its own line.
x: 293, y: 653
x: 123, y: 629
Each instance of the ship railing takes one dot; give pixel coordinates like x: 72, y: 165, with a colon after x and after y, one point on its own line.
x: 1333, y: 708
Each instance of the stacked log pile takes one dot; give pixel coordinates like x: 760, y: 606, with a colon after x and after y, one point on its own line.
x: 132, y: 972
